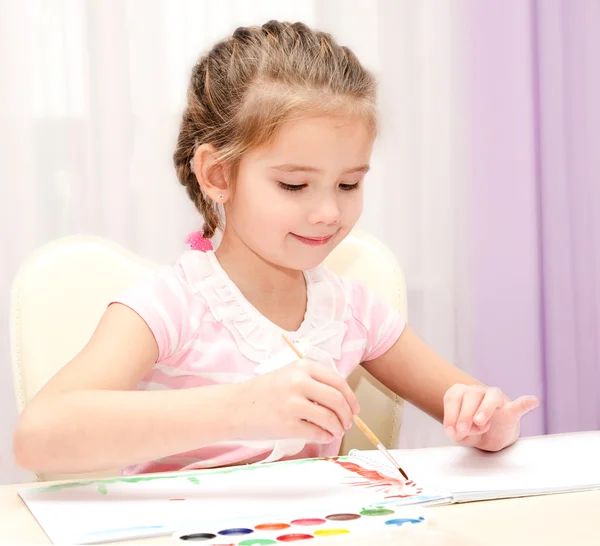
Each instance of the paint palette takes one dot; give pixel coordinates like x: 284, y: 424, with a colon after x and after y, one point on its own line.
x: 255, y: 532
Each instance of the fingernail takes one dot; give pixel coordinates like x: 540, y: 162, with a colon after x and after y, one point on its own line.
x: 480, y: 418
x: 463, y: 428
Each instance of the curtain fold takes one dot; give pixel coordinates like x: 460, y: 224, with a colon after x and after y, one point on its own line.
x: 532, y: 82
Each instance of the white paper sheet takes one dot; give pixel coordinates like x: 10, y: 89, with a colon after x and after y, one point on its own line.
x: 532, y: 466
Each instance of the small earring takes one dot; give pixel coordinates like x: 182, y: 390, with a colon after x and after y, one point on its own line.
x: 220, y: 197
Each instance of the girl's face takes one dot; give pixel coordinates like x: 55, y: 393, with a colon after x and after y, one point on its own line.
x: 297, y: 198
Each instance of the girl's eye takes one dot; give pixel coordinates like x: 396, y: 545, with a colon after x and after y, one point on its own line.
x: 349, y: 187
x: 291, y: 187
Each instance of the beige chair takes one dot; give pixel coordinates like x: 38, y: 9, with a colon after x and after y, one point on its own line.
x: 62, y: 290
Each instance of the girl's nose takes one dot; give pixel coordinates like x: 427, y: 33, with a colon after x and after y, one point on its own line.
x: 326, y: 212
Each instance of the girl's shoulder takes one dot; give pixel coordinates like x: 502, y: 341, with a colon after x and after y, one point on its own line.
x: 368, y: 316
x: 176, y: 300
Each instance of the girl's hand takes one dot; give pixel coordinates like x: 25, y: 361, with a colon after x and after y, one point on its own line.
x: 483, y: 417
x: 304, y: 400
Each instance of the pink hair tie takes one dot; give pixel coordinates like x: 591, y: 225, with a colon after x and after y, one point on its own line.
x: 197, y: 241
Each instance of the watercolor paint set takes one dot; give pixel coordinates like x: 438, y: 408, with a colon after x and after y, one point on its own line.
x: 319, y: 524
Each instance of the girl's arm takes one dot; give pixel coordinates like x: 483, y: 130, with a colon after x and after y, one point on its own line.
x: 472, y: 414
x: 87, y: 418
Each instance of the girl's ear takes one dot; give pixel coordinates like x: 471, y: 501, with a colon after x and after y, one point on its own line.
x: 211, y: 174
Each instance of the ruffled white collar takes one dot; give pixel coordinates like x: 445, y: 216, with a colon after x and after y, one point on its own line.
x: 319, y: 337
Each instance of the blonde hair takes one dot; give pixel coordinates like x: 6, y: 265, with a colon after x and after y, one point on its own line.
x: 248, y: 85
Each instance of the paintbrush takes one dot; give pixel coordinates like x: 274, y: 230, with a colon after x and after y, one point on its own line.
x: 359, y: 422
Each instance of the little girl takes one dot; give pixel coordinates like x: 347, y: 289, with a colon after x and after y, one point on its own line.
x: 188, y: 368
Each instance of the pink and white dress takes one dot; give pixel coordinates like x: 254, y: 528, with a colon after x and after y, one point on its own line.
x: 208, y: 333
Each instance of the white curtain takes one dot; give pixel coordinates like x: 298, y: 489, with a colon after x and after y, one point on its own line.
x: 90, y: 99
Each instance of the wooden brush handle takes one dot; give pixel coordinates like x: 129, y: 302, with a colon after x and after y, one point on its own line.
x: 292, y: 347
x: 366, y: 430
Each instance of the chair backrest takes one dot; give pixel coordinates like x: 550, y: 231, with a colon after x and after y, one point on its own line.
x: 62, y: 290
x: 58, y: 298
